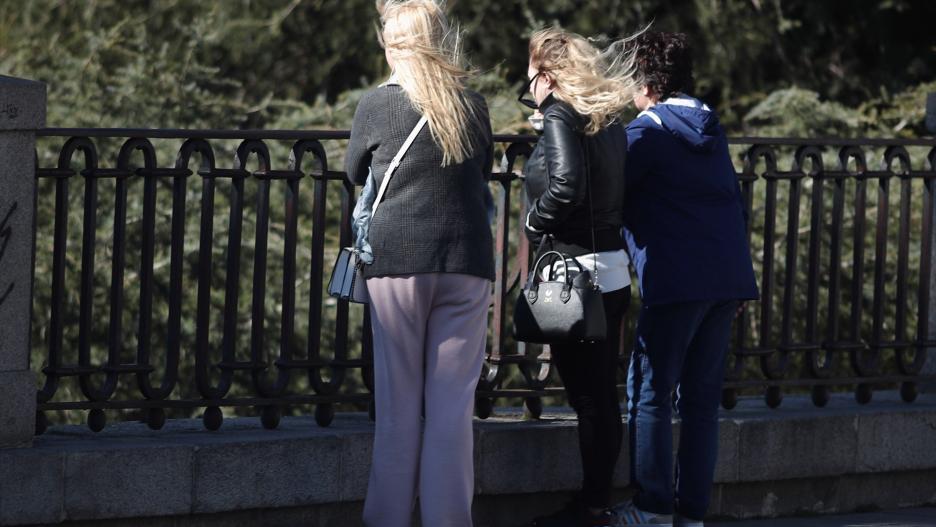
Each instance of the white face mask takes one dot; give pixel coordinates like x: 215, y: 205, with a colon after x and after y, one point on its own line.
x: 536, y: 121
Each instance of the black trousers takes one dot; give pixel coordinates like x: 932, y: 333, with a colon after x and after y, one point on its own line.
x: 589, y: 373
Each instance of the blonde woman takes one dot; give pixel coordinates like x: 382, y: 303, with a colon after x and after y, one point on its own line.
x: 575, y: 190
x: 429, y: 283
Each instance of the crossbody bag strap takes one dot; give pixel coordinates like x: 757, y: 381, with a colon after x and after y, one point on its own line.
x: 396, y: 162
x: 591, y: 212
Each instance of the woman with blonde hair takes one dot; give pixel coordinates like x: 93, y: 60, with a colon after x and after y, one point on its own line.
x: 575, y: 193
x: 429, y: 283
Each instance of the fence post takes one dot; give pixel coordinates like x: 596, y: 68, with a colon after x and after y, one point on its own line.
x: 22, y: 112
x: 929, y: 368
x: 931, y: 112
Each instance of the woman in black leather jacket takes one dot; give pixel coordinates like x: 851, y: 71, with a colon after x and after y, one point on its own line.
x: 582, y: 145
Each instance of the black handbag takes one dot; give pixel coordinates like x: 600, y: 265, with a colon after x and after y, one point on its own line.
x: 347, y: 279
x: 561, y: 310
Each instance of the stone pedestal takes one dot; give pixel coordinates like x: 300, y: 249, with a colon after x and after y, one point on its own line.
x: 22, y: 112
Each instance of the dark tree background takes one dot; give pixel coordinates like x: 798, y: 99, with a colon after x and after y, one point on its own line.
x: 161, y: 63
x: 771, y: 67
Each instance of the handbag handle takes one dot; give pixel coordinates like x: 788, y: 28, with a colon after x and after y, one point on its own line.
x: 565, y: 267
x: 532, y: 289
x: 396, y: 162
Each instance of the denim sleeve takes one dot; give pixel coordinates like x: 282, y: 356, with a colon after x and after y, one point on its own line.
x: 360, y: 219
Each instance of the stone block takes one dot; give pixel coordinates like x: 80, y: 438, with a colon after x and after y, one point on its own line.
x: 891, y: 490
x: 528, y: 457
x: 22, y: 111
x: 356, y: 455
x: 22, y: 104
x: 288, y: 473
x: 32, y: 489
x: 128, y: 482
x: 728, y: 467
x: 771, y: 499
x: 889, y: 442
x: 812, y: 496
x: 797, y: 448
x: 17, y: 238
x: 17, y: 408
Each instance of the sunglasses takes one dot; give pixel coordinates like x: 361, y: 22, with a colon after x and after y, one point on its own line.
x: 525, y: 91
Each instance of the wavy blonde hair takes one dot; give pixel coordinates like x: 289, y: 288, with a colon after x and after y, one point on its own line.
x: 599, y: 84
x: 426, y: 55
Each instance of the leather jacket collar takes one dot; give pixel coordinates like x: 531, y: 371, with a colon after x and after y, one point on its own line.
x: 547, y: 102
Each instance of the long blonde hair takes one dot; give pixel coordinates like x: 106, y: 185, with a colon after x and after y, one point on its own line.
x: 426, y: 57
x: 599, y: 84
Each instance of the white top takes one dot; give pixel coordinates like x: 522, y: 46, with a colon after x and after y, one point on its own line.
x: 613, y: 272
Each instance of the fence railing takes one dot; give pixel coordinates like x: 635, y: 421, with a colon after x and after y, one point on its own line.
x: 212, y: 276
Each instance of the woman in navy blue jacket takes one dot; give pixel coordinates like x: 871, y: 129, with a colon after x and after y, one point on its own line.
x: 685, y: 227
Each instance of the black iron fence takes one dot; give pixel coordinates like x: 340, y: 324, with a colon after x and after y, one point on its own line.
x: 212, y: 276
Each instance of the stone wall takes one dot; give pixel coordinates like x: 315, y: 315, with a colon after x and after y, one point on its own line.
x: 792, y: 460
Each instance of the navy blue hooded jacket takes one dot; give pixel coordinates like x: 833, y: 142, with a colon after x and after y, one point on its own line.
x: 685, y: 224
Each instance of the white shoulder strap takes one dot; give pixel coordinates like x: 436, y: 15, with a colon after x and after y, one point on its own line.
x: 654, y: 117
x: 396, y: 162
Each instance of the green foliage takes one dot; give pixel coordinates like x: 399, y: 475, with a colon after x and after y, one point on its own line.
x: 164, y: 63
x: 119, y: 64
x: 795, y: 112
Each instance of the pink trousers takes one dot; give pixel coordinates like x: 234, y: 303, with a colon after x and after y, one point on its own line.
x: 429, y: 339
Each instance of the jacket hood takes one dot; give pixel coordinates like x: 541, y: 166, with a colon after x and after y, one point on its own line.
x: 689, y: 119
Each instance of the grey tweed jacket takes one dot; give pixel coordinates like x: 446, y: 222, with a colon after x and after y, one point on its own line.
x: 432, y: 219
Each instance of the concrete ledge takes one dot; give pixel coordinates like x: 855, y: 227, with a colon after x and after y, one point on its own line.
x: 773, y: 462
x: 18, y: 411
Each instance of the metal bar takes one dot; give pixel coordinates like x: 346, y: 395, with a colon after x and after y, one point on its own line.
x: 156, y: 133
x: 865, y: 363
x: 56, y: 322
x: 258, y: 298
x: 231, y: 283
x: 86, y: 311
x: 789, y: 283
x: 767, y: 272
x: 203, y: 310
x: 287, y: 326
x: 903, y: 266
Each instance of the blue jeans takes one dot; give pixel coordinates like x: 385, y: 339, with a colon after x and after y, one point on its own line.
x: 682, y: 346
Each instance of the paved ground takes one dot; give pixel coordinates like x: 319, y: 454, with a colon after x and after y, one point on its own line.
x: 925, y: 517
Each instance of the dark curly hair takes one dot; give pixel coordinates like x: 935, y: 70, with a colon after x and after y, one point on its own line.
x: 664, y: 63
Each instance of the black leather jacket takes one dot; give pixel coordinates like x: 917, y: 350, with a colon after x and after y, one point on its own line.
x: 555, y: 181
